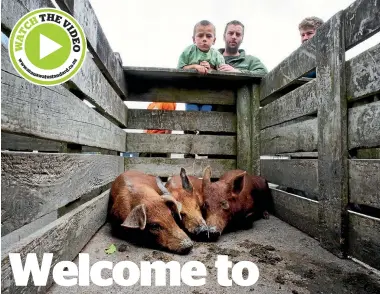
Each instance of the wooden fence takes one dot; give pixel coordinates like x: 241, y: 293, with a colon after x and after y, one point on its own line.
x: 56, y: 199
x: 330, y: 127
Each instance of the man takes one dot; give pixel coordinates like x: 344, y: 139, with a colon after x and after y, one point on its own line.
x: 236, y: 59
x: 307, y: 29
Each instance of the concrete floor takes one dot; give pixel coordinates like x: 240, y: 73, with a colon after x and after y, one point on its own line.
x: 288, y: 260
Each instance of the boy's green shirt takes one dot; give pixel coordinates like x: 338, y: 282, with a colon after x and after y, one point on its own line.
x: 245, y: 63
x: 192, y: 55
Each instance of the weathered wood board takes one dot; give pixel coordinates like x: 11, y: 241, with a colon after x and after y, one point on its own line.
x: 332, y: 134
x: 91, y: 82
x: 365, y: 239
x: 244, y: 129
x: 300, y: 102
x: 186, y: 144
x: 12, y: 11
x: 182, y: 120
x: 295, y: 137
x: 293, y: 67
x: 98, y: 44
x: 300, y: 174
x: 183, y: 95
x: 364, y: 126
x: 64, y: 238
x: 364, y: 182
x: 35, y: 184
x: 300, y: 212
x: 363, y: 74
x: 14, y: 142
x: 52, y: 113
x: 255, y: 132
x: 362, y: 20
x: 165, y: 167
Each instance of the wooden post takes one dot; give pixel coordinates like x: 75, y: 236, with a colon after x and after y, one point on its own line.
x: 332, y: 136
x: 243, y: 129
x: 255, y: 132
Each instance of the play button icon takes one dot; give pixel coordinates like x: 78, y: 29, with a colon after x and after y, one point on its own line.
x: 47, y: 46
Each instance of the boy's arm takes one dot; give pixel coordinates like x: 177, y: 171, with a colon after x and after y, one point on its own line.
x: 183, y: 60
x: 219, y: 59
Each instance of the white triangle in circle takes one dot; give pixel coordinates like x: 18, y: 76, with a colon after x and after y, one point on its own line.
x: 47, y: 46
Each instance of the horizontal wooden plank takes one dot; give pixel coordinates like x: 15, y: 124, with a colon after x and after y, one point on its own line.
x: 362, y: 20
x: 302, y: 101
x: 12, y: 11
x: 165, y: 167
x: 35, y: 184
x: 181, y: 95
x: 364, y: 126
x: 182, y: 120
x: 64, y: 238
x: 52, y: 113
x: 92, y: 83
x: 300, y: 174
x: 364, y: 182
x: 98, y: 44
x: 297, y: 211
x: 301, y: 154
x: 295, y: 137
x: 363, y: 74
x: 364, y: 239
x: 187, y: 144
x: 16, y: 142
x: 293, y: 67
x: 370, y: 153
x: 15, y: 236
x: 160, y: 73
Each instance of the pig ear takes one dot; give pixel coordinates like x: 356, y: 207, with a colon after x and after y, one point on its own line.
x: 136, y: 218
x: 162, y: 187
x: 185, y: 181
x: 238, y: 183
x: 207, y: 175
x: 169, y: 200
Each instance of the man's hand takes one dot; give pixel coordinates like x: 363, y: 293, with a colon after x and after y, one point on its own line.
x: 205, y: 64
x: 227, y: 67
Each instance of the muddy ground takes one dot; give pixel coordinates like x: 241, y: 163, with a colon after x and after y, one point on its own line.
x: 288, y: 261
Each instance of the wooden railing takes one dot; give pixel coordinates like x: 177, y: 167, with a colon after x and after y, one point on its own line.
x: 323, y: 126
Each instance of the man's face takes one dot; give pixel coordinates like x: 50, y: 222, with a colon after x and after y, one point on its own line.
x: 204, y: 37
x: 233, y: 37
x: 306, y: 34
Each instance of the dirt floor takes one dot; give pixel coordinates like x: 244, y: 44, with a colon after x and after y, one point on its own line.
x: 288, y: 261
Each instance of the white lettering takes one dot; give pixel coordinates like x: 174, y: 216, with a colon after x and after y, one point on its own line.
x: 21, y: 275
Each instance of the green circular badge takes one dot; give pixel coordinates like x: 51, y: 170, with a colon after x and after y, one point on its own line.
x: 47, y: 46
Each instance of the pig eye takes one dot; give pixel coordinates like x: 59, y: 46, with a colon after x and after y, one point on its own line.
x: 154, y: 226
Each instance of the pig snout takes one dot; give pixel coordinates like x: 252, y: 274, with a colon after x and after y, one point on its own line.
x: 200, y: 230
x: 178, y: 242
x: 186, y: 246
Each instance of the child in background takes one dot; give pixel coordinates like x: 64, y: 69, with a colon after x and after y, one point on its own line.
x: 161, y: 106
x: 200, y: 56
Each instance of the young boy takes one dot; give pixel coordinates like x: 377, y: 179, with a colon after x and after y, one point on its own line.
x: 201, y: 56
